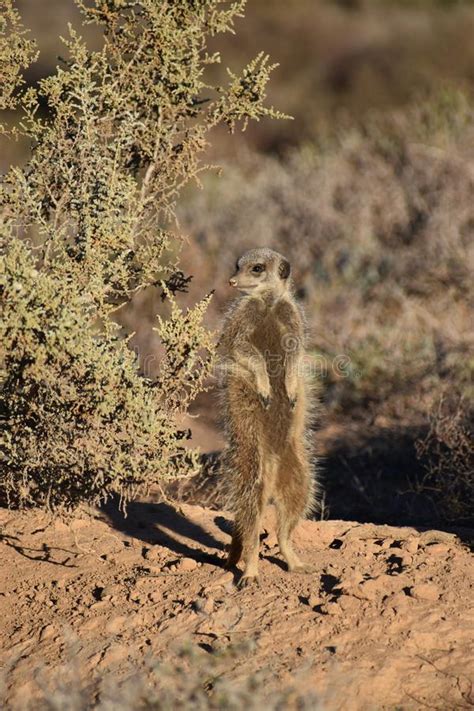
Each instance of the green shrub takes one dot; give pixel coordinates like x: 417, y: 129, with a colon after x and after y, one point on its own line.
x: 88, y: 223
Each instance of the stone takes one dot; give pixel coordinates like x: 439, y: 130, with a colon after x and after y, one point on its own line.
x: 406, y: 559
x: 116, y: 624
x: 438, y: 549
x: 114, y: 654
x: 411, y: 544
x: 425, y: 591
x: 47, y: 632
x: 186, y: 565
x: 315, y: 600
x: 348, y: 603
x: 396, y: 600
x: 100, y: 605
x: 155, y: 554
x: 110, y: 591
x: 208, y: 605
x: 368, y: 590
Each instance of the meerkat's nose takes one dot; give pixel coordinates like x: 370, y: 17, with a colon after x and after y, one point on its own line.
x: 233, y: 281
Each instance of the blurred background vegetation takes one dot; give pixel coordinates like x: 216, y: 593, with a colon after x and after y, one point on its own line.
x: 340, y: 60
x: 369, y: 192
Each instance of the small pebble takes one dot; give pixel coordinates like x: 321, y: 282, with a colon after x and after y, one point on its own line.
x: 220, y: 643
x: 437, y: 549
x: 348, y: 603
x: 98, y: 605
x: 185, y: 565
x: 208, y: 605
x: 47, y: 633
x: 425, y: 591
x: 411, y: 545
x: 332, y: 608
x: 314, y: 600
x: 153, y: 555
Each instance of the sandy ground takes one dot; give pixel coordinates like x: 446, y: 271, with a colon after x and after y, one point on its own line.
x: 386, y: 621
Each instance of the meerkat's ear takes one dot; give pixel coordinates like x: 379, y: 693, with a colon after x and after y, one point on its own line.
x: 284, y: 269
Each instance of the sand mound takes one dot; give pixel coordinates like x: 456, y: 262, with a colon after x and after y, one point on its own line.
x: 386, y: 621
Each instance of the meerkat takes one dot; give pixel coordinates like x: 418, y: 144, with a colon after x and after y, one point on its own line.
x: 267, y: 409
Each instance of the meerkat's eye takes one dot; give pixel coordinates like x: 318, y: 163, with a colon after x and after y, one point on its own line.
x: 258, y: 268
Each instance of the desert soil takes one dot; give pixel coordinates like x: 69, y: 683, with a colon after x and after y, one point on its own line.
x: 386, y: 621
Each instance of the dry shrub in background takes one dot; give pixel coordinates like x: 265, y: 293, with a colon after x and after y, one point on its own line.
x: 448, y: 452
x: 86, y: 224
x: 343, y: 59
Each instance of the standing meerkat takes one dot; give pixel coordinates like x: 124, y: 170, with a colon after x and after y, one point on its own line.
x: 267, y: 409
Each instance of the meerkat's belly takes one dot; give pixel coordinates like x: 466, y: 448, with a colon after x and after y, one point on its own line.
x: 268, y: 424
x: 269, y: 339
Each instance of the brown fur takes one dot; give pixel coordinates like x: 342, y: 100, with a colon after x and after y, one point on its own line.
x: 267, y: 409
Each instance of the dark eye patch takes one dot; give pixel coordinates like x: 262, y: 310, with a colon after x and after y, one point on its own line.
x: 258, y: 268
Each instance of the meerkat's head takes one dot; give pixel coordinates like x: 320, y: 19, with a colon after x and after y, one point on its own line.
x: 261, y: 270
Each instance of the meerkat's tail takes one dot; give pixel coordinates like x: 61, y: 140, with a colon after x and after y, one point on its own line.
x: 311, y: 457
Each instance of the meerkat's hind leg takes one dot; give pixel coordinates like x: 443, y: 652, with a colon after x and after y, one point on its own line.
x: 251, y: 546
x: 247, y: 522
x: 235, y: 549
x: 290, y: 505
x: 286, y: 526
x: 251, y: 553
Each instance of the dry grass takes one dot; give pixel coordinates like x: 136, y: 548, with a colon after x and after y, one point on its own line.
x: 448, y: 450
x: 189, y: 678
x: 342, y: 59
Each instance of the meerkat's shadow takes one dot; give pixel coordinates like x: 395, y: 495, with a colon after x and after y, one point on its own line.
x: 223, y: 524
x: 161, y: 524
x: 275, y: 561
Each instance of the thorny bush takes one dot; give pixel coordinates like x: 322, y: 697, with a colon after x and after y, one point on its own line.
x: 88, y: 223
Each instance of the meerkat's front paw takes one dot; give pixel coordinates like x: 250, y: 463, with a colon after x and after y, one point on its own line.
x: 291, y: 387
x: 265, y: 401
x: 247, y: 580
x: 292, y: 399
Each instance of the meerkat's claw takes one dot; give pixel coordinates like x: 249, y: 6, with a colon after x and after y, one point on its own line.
x: 265, y: 400
x: 247, y: 580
